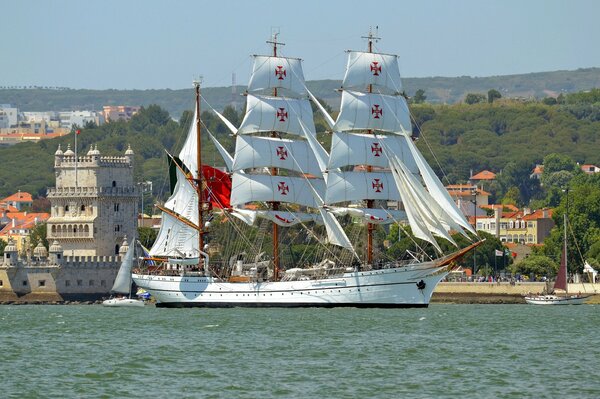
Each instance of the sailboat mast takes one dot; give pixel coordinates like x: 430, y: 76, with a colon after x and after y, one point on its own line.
x: 275, y: 172
x: 370, y: 226
x: 565, y: 252
x: 199, y: 171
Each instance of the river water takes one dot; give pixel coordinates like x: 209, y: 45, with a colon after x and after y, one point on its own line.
x: 453, y: 351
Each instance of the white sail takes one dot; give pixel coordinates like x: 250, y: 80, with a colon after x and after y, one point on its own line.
x: 227, y: 158
x: 335, y: 232
x: 280, y: 114
x: 277, y: 72
x: 370, y: 215
x: 122, y: 284
x: 188, y: 152
x: 356, y: 186
x: 417, y: 224
x: 259, y: 152
x: 365, y: 111
x: 184, y: 200
x: 319, y: 152
x: 328, y: 119
x: 282, y: 218
x: 265, y: 188
x: 365, y: 69
x: 175, y: 239
x: 226, y: 122
x: 368, y: 149
x: 436, y: 189
x: 430, y: 212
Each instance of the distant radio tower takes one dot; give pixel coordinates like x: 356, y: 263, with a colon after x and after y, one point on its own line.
x: 233, y: 92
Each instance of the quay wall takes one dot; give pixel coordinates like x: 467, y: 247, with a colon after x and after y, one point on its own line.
x: 504, y: 292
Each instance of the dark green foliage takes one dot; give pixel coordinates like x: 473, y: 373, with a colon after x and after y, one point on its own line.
x: 474, y: 98
x: 493, y: 95
x: 419, y: 97
x: 38, y: 233
x: 3, y: 244
x: 146, y: 236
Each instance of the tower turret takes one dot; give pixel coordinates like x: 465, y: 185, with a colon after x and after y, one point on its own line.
x: 56, y: 253
x: 10, y: 253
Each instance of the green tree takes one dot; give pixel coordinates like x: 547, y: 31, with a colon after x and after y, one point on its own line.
x: 2, y: 245
x: 493, y: 95
x: 419, y: 97
x: 38, y: 233
x: 537, y: 265
x: 147, y: 236
x: 474, y: 98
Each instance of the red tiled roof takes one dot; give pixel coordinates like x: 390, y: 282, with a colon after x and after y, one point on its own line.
x: 539, y: 214
x: 19, y: 197
x: 484, y: 175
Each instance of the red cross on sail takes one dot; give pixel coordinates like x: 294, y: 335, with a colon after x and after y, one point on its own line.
x: 282, y: 153
x: 377, y: 185
x: 375, y: 68
x: 283, y: 188
x: 282, y: 114
x: 280, y: 72
x: 376, y: 111
x: 376, y: 149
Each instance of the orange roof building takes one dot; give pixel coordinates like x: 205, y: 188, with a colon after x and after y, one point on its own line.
x: 18, y: 200
x: 483, y: 175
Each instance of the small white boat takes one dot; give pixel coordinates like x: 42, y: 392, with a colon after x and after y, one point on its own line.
x: 555, y: 299
x: 123, y: 302
x: 122, y: 284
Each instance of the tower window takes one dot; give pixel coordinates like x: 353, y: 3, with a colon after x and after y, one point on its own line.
x: 114, y: 183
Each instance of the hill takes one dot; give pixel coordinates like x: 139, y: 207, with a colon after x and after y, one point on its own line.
x: 439, y: 90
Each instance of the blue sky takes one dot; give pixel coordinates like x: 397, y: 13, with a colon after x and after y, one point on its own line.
x: 151, y: 44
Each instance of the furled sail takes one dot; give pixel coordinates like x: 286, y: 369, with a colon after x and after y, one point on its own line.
x: 271, y: 72
x: 282, y: 218
x: 265, y: 188
x: 371, y: 215
x: 365, y: 69
x: 258, y: 152
x: 279, y: 114
x: 366, y: 111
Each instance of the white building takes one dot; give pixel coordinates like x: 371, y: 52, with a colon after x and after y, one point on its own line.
x: 8, y: 116
x: 79, y: 118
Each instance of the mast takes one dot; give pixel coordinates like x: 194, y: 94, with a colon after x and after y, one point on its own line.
x: 565, y: 252
x: 199, y: 172
x: 370, y: 226
x: 274, y: 172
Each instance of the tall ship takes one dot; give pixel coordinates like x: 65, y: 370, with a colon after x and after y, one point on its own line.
x: 281, y: 179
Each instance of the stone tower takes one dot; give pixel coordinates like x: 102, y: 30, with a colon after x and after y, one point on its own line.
x: 94, y: 203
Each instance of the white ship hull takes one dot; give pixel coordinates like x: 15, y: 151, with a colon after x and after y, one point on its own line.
x: 410, y: 286
x: 555, y: 300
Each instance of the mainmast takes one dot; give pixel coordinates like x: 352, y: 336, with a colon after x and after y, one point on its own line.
x: 275, y: 172
x: 370, y: 226
x: 199, y: 172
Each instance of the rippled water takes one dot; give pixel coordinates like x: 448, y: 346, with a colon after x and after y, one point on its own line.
x: 466, y: 351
